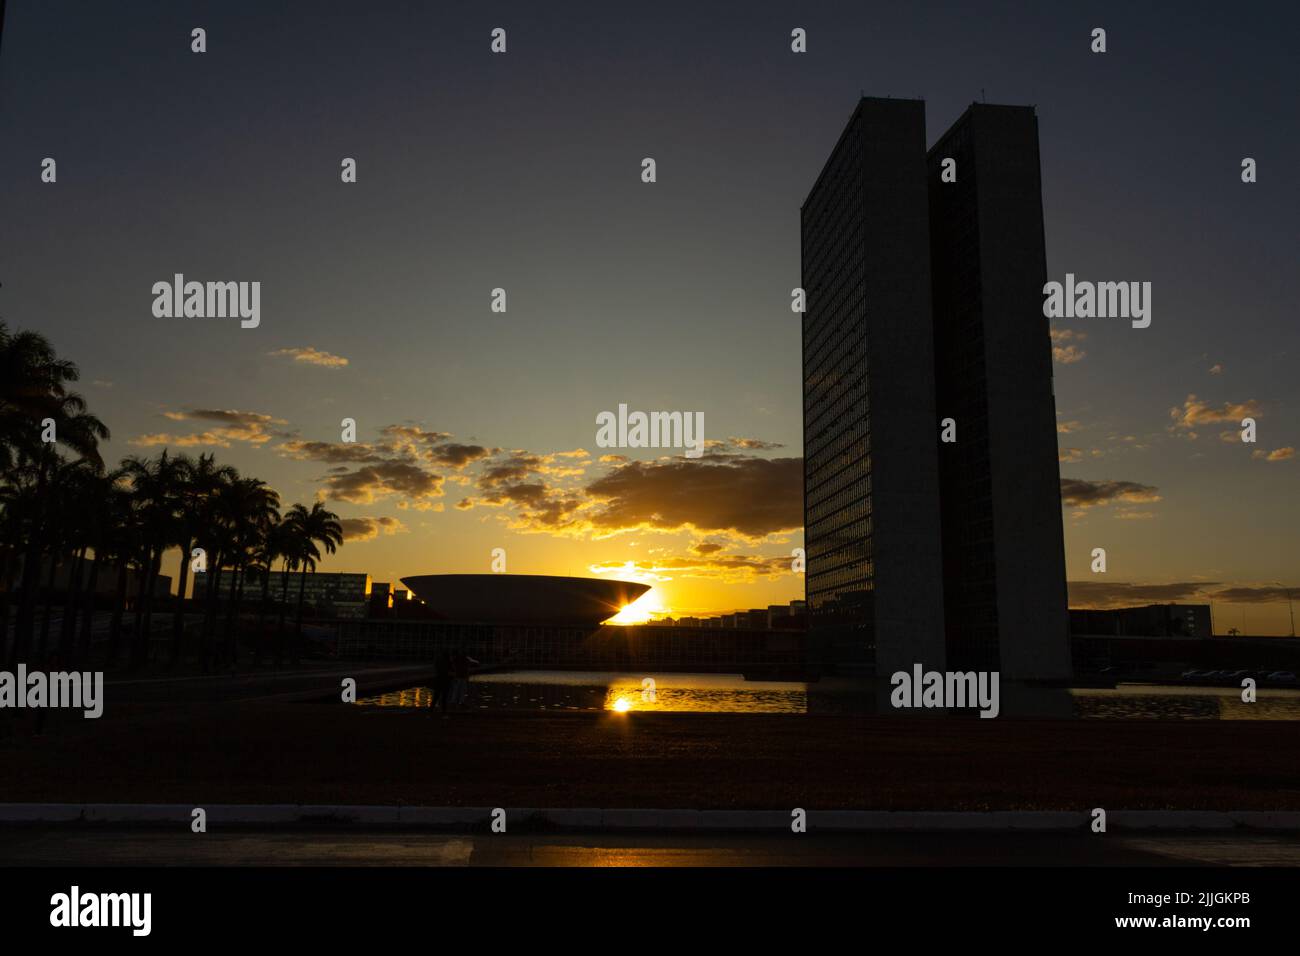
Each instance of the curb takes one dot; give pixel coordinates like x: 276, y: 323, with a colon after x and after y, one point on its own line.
x: 645, y: 819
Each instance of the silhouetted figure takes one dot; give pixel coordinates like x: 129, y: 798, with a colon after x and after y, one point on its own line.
x: 442, y: 679
x: 460, y: 665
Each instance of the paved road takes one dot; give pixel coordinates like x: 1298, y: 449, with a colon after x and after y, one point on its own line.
x: 300, y: 681
x: 80, y: 846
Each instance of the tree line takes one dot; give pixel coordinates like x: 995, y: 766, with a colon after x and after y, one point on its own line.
x: 60, y: 505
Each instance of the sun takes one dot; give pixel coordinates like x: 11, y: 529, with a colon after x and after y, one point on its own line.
x: 639, y: 611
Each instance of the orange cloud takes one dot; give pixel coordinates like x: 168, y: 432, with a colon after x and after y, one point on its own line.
x: 1277, y: 454
x: 310, y: 356
x: 1196, y: 412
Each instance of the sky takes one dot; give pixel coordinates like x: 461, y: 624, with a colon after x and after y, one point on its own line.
x: 522, y: 171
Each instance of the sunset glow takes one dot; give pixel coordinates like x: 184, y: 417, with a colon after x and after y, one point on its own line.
x: 640, y: 610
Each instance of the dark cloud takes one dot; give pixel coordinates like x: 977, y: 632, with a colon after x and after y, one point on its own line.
x: 753, y: 497
x: 226, y: 416
x: 1121, y: 594
x: 1079, y: 493
x: 366, y: 484
x: 519, y: 465
x: 741, y: 444
x: 1103, y: 594
x: 363, y: 529
x: 456, y: 455
x: 253, y: 428
x: 413, y: 434
x: 331, y: 451
x: 1269, y: 594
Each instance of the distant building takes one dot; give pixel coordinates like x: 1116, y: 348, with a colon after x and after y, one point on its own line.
x: 106, y: 578
x: 330, y: 594
x: 792, y: 616
x: 381, y: 598
x: 1151, y: 620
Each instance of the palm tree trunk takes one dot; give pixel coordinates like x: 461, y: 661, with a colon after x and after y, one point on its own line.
x: 259, y: 652
x: 178, y: 618
x: 297, y: 637
x: 119, y: 608
x: 145, y: 648
x: 71, y: 604
x: 233, y: 622
x: 137, y: 642
x: 25, y: 624
x: 284, y: 606
x: 88, y: 614
x: 210, y: 610
x: 6, y: 589
x: 28, y: 586
x: 56, y: 562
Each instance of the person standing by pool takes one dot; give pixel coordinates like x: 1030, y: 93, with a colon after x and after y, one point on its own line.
x: 460, y: 665
x: 442, y: 679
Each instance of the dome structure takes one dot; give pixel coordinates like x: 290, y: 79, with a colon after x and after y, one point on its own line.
x: 537, y: 599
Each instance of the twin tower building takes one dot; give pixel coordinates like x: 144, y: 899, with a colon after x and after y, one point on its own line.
x: 924, y: 322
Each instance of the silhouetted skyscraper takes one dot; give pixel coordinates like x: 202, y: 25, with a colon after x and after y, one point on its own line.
x: 1004, y: 552
x: 924, y: 302
x: 871, y: 493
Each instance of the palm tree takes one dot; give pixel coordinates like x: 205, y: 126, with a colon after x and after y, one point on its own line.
x: 157, y: 488
x: 33, y: 384
x: 213, y: 536
x: 80, y: 510
x: 34, y: 395
x: 110, y: 534
x: 18, y: 508
x: 290, y: 549
x: 249, y: 508
x: 202, y: 480
x: 310, y: 527
x: 277, y: 545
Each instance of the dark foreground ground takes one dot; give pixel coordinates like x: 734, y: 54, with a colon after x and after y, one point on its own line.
x: 96, y: 846
x: 284, y: 751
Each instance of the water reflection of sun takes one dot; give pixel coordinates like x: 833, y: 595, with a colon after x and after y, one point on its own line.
x: 626, y: 695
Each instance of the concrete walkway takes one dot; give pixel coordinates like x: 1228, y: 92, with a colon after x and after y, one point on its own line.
x: 89, y: 846
x: 597, y: 819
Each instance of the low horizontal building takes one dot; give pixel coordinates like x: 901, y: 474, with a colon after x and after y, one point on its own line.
x: 1151, y: 620
x: 105, y: 578
x: 330, y: 594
